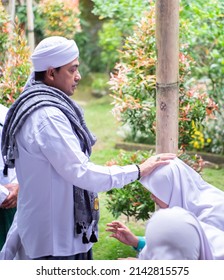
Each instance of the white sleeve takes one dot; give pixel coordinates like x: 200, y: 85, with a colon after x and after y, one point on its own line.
x: 62, y: 148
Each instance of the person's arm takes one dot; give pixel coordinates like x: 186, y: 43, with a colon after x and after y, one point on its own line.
x: 125, y: 235
x: 141, y: 243
x: 61, y: 147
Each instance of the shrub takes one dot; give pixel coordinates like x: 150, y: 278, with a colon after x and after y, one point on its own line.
x: 15, y: 60
x: 133, y: 200
x: 61, y: 17
x: 118, y: 18
x: 205, y: 39
x: 133, y: 87
x: 4, y: 32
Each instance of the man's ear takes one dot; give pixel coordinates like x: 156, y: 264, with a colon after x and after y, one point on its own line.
x: 50, y: 74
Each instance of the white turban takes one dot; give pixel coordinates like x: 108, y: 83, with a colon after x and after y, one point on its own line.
x: 54, y: 52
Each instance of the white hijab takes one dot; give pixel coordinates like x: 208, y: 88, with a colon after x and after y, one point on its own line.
x: 177, y: 184
x: 175, y: 234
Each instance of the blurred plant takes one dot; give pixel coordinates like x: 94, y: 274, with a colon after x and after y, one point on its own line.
x: 99, y: 85
x: 133, y: 200
x: 109, y: 44
x: 196, y: 109
x: 125, y: 13
x: 39, y: 22
x: 133, y: 87
x: 15, y: 61
x: 61, y: 17
x: 201, y: 26
x: 198, y: 140
x: 215, y: 132
x: 205, y: 37
x: 4, y: 32
x: 118, y: 19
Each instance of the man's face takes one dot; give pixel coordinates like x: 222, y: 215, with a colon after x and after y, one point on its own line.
x: 67, y: 78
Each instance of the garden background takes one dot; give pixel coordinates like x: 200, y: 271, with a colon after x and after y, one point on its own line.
x: 118, y: 58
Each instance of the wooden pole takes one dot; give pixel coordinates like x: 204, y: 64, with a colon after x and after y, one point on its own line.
x: 167, y: 75
x: 13, y: 10
x: 30, y: 24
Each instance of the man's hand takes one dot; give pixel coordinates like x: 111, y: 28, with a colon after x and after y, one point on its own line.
x: 11, y: 200
x: 154, y: 161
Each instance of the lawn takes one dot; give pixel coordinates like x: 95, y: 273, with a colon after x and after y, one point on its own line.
x: 101, y: 122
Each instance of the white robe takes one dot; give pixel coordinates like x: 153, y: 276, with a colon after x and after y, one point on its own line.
x: 50, y: 163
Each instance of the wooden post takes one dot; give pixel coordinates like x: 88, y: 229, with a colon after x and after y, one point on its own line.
x: 167, y: 75
x: 13, y: 10
x: 30, y: 24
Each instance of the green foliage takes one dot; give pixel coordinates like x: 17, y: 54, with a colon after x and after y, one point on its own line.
x: 124, y: 12
x: 133, y: 81
x: 99, y: 85
x: 133, y: 86
x: 14, y: 61
x: 205, y: 38
x: 118, y: 19
x: 201, y: 64
x: 215, y: 132
x: 39, y: 23
x: 133, y: 200
x: 4, y: 32
x: 109, y: 43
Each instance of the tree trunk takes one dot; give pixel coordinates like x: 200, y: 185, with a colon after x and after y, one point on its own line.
x: 30, y: 24
x: 167, y: 75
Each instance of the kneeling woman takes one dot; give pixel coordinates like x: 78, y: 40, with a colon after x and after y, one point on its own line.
x: 194, y: 206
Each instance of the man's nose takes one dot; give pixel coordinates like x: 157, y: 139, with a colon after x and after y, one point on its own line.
x: 77, y: 76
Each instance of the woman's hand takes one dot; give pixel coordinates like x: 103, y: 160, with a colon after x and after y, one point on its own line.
x: 122, y: 233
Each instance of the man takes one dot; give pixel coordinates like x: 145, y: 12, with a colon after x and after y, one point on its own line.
x: 46, y: 137
x: 8, y: 190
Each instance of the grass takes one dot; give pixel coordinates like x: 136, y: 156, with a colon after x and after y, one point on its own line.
x: 101, y: 122
x: 214, y: 177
